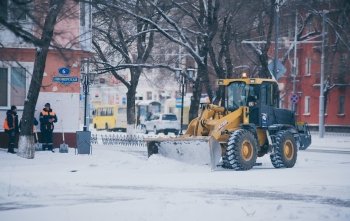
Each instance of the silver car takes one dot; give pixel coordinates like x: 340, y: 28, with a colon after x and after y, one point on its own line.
x: 162, y: 123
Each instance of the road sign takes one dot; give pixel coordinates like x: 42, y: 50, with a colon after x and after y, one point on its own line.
x: 178, y: 102
x: 64, y: 71
x: 281, y: 70
x: 65, y: 80
x: 294, y: 98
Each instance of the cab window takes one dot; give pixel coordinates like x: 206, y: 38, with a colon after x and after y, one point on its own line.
x: 269, y: 94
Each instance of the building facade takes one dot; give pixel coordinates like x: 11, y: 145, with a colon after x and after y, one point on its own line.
x: 302, y: 92
x: 61, y: 82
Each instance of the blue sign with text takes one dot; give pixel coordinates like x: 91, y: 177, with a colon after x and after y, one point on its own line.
x: 64, y: 71
x: 65, y: 80
x: 178, y: 103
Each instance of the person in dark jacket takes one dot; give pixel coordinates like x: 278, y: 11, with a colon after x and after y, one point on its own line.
x: 11, y: 128
x: 47, y: 120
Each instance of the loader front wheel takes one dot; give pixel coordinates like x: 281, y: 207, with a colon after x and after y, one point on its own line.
x: 241, y: 152
x: 285, y: 150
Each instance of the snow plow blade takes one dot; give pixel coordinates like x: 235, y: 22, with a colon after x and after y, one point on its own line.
x: 194, y: 150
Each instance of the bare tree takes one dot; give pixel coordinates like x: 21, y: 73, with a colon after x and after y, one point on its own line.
x: 226, y: 51
x: 44, y: 16
x: 127, y: 38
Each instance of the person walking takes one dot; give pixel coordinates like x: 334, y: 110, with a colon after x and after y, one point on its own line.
x: 11, y: 128
x: 47, y: 120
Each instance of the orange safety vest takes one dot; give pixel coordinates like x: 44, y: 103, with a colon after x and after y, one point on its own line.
x: 6, y: 125
x: 45, y: 113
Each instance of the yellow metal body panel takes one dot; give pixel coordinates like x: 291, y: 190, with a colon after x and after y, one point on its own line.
x: 226, y: 82
x: 262, y: 137
x: 214, y: 121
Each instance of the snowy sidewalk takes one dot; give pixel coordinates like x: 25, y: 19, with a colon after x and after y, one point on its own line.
x: 331, y: 141
x: 122, y: 183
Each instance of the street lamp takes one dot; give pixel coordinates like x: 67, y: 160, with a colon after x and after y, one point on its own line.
x: 87, y: 79
x: 83, y: 138
x: 183, y: 76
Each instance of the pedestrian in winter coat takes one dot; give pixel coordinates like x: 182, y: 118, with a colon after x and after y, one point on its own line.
x: 47, y: 120
x: 11, y: 128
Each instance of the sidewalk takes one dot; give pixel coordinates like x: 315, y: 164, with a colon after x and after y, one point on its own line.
x: 332, y: 141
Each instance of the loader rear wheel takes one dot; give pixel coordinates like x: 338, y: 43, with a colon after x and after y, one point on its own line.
x: 285, y: 150
x: 241, y: 151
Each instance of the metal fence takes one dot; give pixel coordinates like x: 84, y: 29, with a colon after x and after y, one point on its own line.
x: 119, y: 140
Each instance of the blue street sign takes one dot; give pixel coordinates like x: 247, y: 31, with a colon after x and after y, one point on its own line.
x: 294, y: 98
x: 178, y: 103
x: 65, y: 80
x: 64, y: 71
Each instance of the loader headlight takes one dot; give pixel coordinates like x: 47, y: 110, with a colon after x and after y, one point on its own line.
x: 244, y: 75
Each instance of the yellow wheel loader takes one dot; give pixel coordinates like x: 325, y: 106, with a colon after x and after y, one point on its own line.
x: 247, y: 124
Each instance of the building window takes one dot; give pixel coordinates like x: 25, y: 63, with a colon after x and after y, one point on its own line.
x: 82, y: 14
x: 308, y: 67
x: 3, y: 86
x: 149, y: 95
x: 14, y: 10
x: 296, y: 71
x: 3, y: 9
x: 307, y: 105
x: 341, y: 107
x: 19, y: 10
x: 13, y: 86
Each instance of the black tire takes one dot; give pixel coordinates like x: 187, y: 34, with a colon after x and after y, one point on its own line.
x: 166, y: 132
x: 285, y: 150
x: 241, y: 152
x: 176, y: 132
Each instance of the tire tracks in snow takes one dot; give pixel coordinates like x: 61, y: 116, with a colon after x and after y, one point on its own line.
x: 235, y: 193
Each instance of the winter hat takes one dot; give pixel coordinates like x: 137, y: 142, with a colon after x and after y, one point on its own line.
x: 13, y: 107
x: 47, y: 105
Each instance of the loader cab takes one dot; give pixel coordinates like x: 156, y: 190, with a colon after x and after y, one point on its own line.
x: 251, y: 94
x: 261, y: 96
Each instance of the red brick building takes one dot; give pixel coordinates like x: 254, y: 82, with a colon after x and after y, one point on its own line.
x: 308, y: 74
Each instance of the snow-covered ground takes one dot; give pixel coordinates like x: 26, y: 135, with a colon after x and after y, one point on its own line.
x: 121, y: 183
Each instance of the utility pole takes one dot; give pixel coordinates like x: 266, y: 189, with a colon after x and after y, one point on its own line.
x: 276, y: 38
x: 183, y: 81
x: 295, y: 56
x: 321, y: 108
x: 86, y: 82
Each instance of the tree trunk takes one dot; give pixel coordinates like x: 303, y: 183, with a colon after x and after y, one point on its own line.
x: 131, y: 98
x: 207, y: 84
x: 130, y: 106
x: 26, y: 140
x: 197, y: 91
x: 263, y: 58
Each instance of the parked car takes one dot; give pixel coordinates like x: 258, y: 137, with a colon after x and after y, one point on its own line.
x: 162, y: 123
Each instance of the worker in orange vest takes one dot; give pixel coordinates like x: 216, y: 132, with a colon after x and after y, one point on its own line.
x: 47, y: 120
x: 11, y: 128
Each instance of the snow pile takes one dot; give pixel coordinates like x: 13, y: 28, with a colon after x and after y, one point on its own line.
x: 126, y: 185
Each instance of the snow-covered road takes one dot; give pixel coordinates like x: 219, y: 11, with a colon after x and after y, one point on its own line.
x: 123, y: 184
